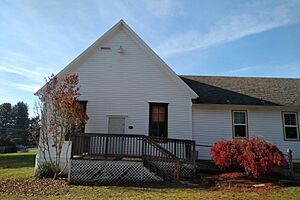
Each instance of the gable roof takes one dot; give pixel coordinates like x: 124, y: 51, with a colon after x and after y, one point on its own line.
x: 245, y: 90
x: 121, y: 24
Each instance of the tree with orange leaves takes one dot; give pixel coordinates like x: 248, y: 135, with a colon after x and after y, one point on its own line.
x: 61, y: 116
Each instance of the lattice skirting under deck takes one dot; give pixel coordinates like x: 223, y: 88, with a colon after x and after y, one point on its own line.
x: 109, y: 172
x: 186, y: 170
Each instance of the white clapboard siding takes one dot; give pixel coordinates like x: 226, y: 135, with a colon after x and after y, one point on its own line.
x: 211, y: 125
x: 124, y: 83
x: 269, y: 126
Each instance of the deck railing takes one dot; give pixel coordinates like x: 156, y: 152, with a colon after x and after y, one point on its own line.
x: 95, y: 145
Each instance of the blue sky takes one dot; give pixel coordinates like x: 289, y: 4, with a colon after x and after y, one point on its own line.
x: 208, y: 37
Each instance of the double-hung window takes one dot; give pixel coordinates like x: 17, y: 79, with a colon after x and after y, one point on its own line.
x: 240, y: 126
x: 290, y: 126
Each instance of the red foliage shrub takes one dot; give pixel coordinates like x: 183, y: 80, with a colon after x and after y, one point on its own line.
x: 257, y: 156
x: 227, y: 154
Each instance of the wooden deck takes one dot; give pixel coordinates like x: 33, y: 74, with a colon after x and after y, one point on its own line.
x: 167, y: 158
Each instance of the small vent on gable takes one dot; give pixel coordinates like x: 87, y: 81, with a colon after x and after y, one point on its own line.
x: 105, y: 48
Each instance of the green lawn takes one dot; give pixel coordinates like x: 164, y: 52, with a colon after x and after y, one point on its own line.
x: 20, y: 166
x: 17, y: 164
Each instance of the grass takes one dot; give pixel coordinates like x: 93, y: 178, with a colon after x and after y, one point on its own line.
x: 15, y: 165
x: 113, y: 192
x: 21, y: 165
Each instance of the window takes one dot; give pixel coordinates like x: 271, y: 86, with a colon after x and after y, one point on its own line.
x: 290, y: 125
x: 158, y: 120
x: 240, y: 127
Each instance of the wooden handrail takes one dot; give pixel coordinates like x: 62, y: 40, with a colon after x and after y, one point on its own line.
x: 171, y: 139
x: 161, y: 148
x: 203, y: 145
x: 161, y: 159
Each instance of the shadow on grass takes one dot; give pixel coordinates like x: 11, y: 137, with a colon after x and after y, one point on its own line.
x: 16, y: 161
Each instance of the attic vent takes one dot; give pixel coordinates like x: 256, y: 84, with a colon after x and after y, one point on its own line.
x: 105, y: 48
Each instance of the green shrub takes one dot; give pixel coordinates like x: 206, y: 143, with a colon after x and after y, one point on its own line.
x: 6, y: 141
x: 18, y: 140
x: 45, y: 170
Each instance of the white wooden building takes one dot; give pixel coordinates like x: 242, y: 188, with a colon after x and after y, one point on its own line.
x: 129, y: 89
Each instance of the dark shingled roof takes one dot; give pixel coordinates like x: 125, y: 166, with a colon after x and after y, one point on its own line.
x: 245, y: 90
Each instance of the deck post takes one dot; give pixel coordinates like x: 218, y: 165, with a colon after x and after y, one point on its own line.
x: 143, y: 149
x: 175, y: 150
x: 290, y: 162
x: 194, y: 158
x: 106, y: 146
x: 177, y: 170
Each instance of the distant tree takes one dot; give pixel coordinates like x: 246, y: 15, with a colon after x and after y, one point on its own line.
x: 5, y: 117
x: 34, y: 130
x: 20, y: 116
x: 14, y: 121
x: 20, y: 121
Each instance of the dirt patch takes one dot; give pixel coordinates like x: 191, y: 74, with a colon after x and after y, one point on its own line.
x: 240, y: 181
x: 32, y: 187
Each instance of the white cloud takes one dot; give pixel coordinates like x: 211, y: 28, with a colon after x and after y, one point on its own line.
x: 10, y: 86
x: 28, y: 87
x: 238, y: 71
x: 33, y: 74
x: 10, y: 70
x: 288, y: 70
x: 231, y: 28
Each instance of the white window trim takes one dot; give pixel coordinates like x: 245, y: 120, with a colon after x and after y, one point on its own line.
x: 234, y: 124
x: 294, y: 126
